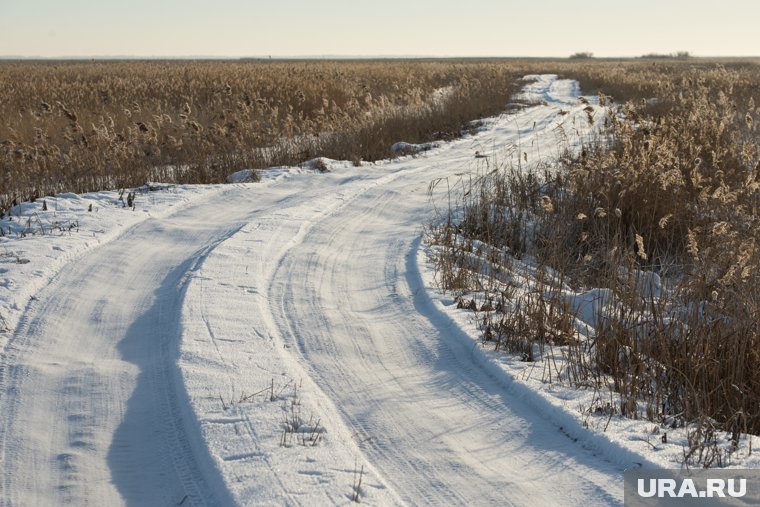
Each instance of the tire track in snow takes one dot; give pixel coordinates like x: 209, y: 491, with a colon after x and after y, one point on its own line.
x: 367, y: 356
x: 93, y: 409
x: 443, y: 431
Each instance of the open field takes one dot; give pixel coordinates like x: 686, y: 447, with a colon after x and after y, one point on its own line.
x: 558, y: 293
x: 86, y: 126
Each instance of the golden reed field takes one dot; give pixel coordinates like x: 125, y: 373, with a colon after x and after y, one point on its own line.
x: 80, y: 126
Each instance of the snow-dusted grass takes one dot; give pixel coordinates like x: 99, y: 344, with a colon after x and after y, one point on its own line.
x: 641, y: 257
x: 589, y: 414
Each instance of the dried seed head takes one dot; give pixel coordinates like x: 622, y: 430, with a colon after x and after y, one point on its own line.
x: 720, y: 229
x: 640, y: 247
x: 71, y: 115
x: 600, y: 213
x: 665, y: 220
x: 691, y: 244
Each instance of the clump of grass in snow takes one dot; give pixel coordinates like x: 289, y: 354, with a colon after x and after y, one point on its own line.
x: 356, y: 487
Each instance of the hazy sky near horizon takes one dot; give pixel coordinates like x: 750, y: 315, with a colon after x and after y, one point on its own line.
x: 234, y: 28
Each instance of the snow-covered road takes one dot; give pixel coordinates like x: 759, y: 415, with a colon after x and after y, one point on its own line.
x: 131, y: 377
x: 92, y: 410
x: 349, y: 301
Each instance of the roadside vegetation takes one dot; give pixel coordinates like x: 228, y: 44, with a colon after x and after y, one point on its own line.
x: 637, y: 257
x: 85, y: 126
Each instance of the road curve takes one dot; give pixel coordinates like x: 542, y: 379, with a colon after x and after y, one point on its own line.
x: 438, y: 428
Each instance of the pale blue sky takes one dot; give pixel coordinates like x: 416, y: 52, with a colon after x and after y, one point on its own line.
x: 390, y: 27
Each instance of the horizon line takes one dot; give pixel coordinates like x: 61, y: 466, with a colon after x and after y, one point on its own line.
x: 352, y: 57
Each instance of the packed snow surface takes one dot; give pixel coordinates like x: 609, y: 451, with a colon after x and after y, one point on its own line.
x: 277, y: 343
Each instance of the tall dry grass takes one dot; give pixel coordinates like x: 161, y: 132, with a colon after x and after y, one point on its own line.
x: 80, y: 126
x: 661, y: 225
